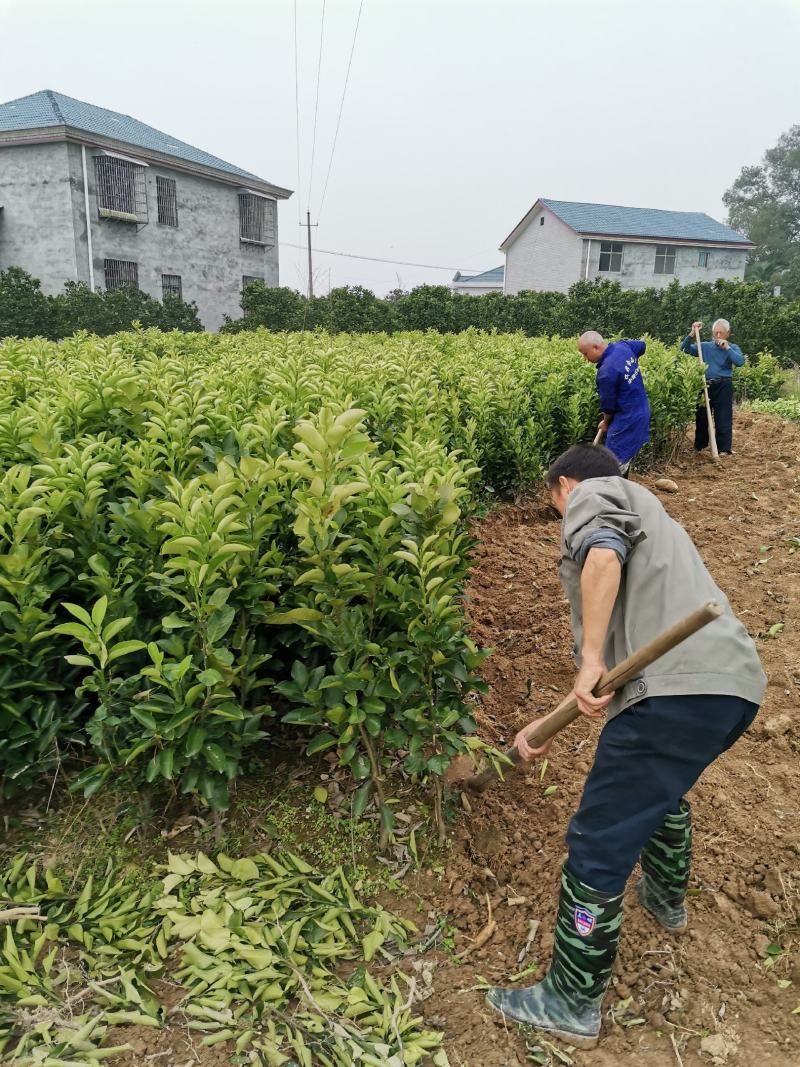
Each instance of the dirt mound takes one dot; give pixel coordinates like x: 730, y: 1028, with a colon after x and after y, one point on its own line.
x: 721, y: 993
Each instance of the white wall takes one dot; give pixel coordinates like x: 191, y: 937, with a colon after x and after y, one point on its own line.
x: 639, y: 259
x: 545, y: 256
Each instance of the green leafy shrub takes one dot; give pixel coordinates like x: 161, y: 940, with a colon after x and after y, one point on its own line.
x: 760, y: 378
x: 204, y: 534
x: 787, y: 408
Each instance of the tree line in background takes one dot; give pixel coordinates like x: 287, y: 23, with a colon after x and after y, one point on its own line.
x: 764, y: 203
x: 25, y: 311
x: 760, y: 320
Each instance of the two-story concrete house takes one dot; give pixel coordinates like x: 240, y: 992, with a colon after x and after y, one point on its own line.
x: 94, y: 196
x: 560, y: 242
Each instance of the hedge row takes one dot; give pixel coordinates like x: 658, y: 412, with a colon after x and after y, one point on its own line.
x: 206, y: 535
x: 760, y: 320
x: 25, y: 311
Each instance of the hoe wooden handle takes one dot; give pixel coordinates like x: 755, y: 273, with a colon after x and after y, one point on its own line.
x: 567, y: 711
x: 712, y: 432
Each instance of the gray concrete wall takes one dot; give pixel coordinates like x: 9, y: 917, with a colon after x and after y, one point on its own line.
x: 639, y: 258
x: 204, y: 248
x: 544, y: 256
x: 43, y: 230
x: 36, y: 227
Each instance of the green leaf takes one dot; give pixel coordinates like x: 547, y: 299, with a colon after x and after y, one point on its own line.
x: 215, y: 756
x: 209, y: 677
x: 99, y: 611
x: 74, y: 629
x: 244, y: 870
x: 359, y: 765
x: 80, y: 613
x: 194, y: 740
x: 114, y: 628
x: 295, y: 615
x: 371, y: 943
x: 125, y: 648
x: 320, y: 742
x: 321, y: 794
x: 219, y: 623
x: 79, y: 661
x: 388, y: 820
x: 361, y: 799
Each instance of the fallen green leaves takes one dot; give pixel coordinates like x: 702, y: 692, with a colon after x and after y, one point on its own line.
x: 269, y: 955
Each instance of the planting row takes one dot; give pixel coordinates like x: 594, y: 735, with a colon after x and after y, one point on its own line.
x: 205, y: 536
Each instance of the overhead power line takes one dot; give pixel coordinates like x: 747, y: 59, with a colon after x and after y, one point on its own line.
x: 297, y: 111
x: 379, y: 259
x: 316, y: 107
x: 341, y: 108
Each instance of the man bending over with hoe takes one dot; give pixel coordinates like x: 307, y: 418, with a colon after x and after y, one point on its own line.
x: 630, y: 571
x: 623, y: 400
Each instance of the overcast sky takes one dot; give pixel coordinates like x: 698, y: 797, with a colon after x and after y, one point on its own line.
x: 459, y: 113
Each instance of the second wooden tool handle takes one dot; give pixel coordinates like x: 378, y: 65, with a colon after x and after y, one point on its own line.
x: 620, y: 675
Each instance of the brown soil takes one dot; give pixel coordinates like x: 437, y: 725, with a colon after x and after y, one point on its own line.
x: 711, y: 985
x: 709, y: 993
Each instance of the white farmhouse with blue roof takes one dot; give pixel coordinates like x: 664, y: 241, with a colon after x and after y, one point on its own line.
x: 489, y: 281
x: 560, y: 242
x: 94, y: 196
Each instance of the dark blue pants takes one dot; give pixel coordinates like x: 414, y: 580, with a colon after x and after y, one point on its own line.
x: 720, y: 395
x: 647, y: 758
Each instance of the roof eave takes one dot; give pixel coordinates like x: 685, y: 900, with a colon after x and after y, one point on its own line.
x: 518, y: 228
x: 718, y: 243
x: 50, y: 134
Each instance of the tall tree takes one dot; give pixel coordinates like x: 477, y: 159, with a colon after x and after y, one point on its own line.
x: 764, y: 202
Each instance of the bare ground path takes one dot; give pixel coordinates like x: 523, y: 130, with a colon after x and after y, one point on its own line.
x: 720, y: 993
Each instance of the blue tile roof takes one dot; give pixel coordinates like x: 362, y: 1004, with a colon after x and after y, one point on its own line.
x: 618, y: 221
x: 488, y: 277
x: 48, y: 108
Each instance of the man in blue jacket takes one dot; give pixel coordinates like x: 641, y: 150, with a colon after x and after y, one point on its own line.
x: 623, y: 400
x: 720, y: 357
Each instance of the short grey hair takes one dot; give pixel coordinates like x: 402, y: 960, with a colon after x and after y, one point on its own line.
x: 591, y: 337
x: 723, y: 324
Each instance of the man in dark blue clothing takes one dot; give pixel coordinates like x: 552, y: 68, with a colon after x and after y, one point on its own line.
x: 720, y: 357
x: 623, y: 400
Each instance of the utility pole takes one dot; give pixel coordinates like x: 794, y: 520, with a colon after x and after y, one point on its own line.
x: 307, y: 224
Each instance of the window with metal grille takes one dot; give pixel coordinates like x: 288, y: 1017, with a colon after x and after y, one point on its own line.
x: 121, y: 190
x: 167, y: 196
x: 171, y: 283
x: 665, y: 259
x: 611, y: 256
x: 703, y: 257
x: 121, y: 272
x: 248, y: 279
x: 256, y: 219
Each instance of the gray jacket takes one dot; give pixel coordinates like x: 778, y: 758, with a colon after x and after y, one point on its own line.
x: 663, y: 580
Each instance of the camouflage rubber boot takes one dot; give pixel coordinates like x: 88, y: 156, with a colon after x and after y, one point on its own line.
x: 567, y: 1002
x: 666, y: 860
